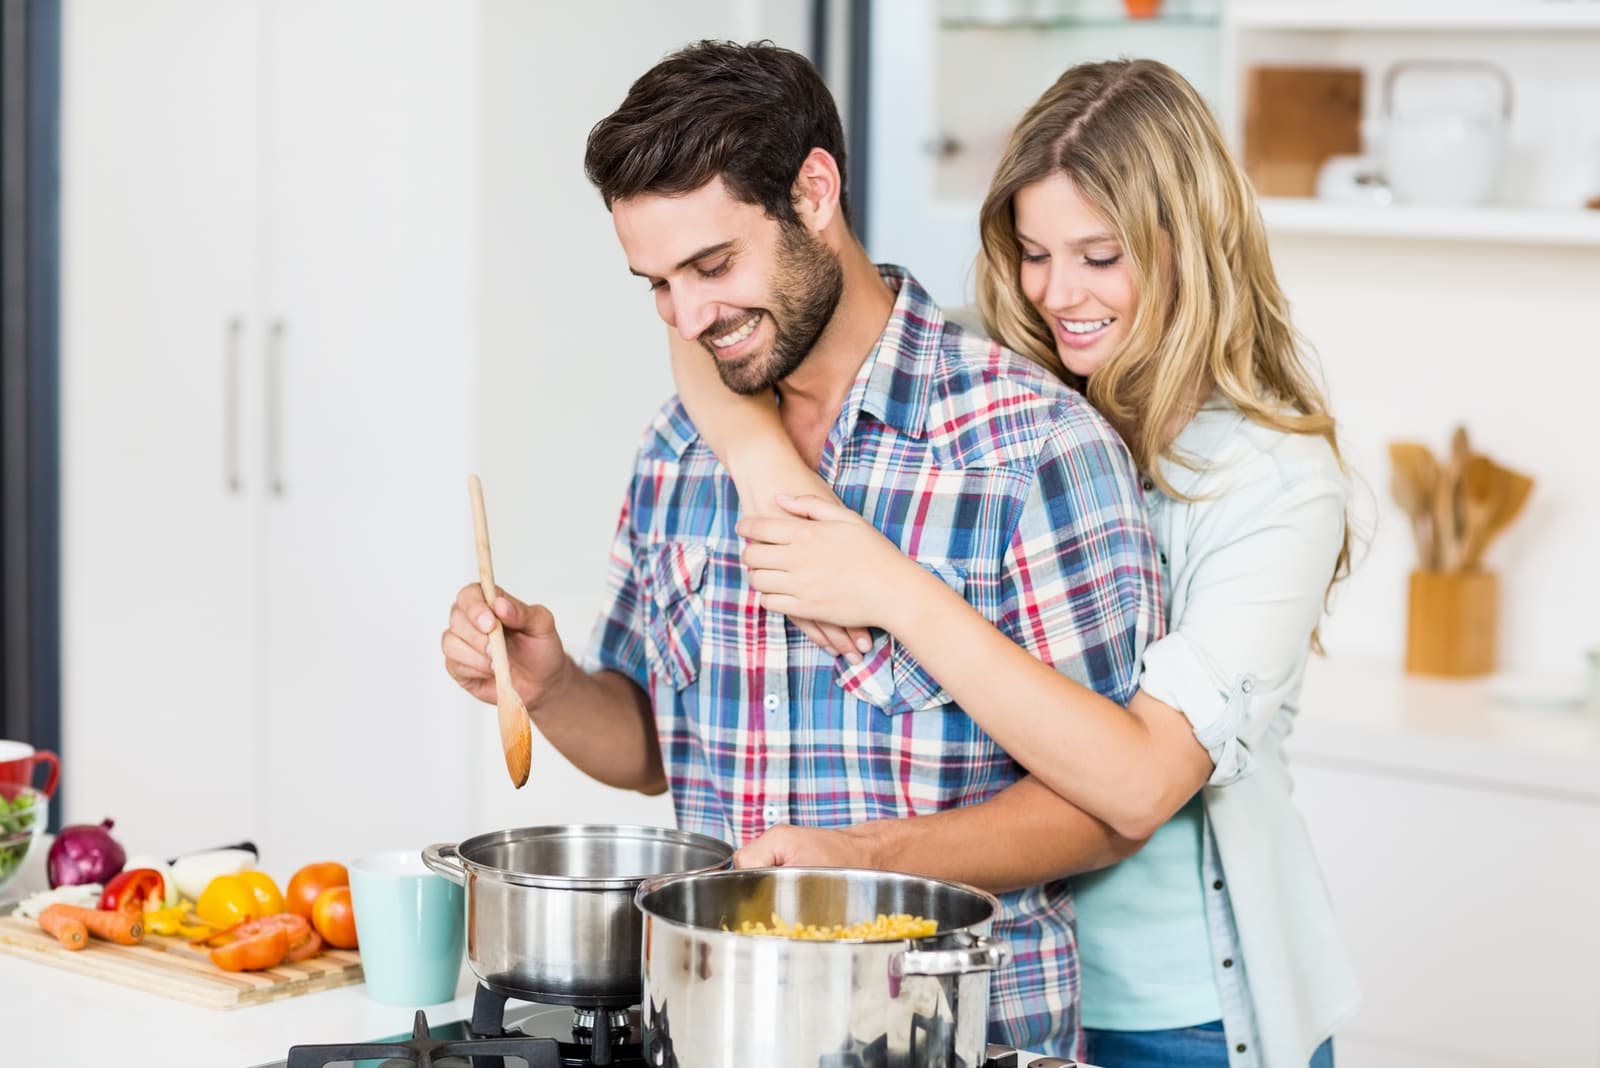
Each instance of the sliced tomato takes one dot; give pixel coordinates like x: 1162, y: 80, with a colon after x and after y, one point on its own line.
x: 304, y: 950
x: 263, y: 949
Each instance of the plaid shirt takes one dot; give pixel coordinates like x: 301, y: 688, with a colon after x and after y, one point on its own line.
x: 994, y: 476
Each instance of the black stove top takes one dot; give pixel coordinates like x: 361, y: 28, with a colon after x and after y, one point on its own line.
x: 506, y: 1033
x: 503, y: 1033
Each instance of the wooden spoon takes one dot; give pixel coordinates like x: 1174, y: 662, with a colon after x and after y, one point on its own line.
x: 1413, y: 483
x: 1494, y: 497
x: 516, y: 736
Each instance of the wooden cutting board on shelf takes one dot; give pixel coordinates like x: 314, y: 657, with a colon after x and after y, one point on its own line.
x: 1295, y: 118
x: 171, y: 968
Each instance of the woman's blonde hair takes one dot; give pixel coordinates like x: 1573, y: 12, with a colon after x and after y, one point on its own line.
x: 1142, y: 147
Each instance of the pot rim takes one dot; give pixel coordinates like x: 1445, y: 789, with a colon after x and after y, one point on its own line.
x: 620, y: 831
x: 658, y: 882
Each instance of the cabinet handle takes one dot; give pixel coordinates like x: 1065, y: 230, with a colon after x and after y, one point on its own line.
x: 274, y: 402
x: 230, y: 405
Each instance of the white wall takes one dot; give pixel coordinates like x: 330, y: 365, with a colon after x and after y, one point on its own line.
x: 1416, y: 337
x: 573, y: 357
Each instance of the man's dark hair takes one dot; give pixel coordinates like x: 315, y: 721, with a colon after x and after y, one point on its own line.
x: 748, y: 114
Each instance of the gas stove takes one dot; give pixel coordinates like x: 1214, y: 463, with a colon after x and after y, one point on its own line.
x: 507, y: 1033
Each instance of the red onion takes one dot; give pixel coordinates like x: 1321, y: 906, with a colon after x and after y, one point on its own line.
x: 84, y: 853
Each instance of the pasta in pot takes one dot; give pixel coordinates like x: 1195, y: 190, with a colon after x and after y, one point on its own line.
x: 886, y: 928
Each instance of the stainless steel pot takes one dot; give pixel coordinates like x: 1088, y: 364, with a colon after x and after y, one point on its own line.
x: 714, y: 998
x: 550, y: 909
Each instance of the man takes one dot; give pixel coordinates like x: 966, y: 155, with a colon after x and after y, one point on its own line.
x: 723, y: 170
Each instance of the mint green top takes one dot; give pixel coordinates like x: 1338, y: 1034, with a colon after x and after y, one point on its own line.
x: 1142, y: 935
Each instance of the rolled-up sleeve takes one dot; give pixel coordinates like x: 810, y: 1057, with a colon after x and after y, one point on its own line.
x: 1255, y: 588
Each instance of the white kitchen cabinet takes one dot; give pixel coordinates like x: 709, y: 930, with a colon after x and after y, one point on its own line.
x: 1460, y: 838
x: 268, y: 364
x: 1470, y: 913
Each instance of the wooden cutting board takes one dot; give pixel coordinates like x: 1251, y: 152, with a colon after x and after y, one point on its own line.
x: 1295, y: 118
x: 171, y: 968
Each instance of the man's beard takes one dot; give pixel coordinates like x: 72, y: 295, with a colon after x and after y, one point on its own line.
x: 806, y: 288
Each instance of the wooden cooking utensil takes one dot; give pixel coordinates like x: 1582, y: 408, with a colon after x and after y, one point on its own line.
x: 1494, y: 495
x: 1448, y: 512
x: 516, y: 736
x: 1413, y: 483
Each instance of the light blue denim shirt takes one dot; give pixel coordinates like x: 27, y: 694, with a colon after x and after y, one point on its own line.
x: 1247, y: 563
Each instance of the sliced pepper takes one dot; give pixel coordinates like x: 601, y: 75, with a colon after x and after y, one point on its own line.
x: 175, y: 921
x: 138, y: 891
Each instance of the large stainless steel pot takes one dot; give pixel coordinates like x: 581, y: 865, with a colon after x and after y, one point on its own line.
x: 550, y: 909
x: 715, y: 998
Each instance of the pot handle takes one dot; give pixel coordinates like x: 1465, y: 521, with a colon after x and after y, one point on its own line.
x: 982, y: 954
x: 444, y: 859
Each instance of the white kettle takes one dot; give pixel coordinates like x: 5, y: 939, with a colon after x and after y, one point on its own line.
x: 1445, y: 149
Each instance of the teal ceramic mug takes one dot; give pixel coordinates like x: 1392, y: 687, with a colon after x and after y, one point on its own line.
x: 410, y: 924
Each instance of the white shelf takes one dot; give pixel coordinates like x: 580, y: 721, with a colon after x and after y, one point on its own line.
x: 1497, y: 225
x: 1432, y: 15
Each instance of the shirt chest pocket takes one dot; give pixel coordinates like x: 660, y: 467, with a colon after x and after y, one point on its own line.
x: 890, y: 678
x: 675, y: 573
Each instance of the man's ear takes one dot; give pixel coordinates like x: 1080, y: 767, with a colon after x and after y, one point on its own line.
x: 816, y: 190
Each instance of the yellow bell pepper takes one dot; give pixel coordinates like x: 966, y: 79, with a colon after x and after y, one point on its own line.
x: 234, y: 898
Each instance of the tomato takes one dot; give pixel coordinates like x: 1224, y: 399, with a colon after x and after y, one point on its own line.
x: 311, y: 880
x: 137, y: 891
x: 264, y: 949
x: 265, y: 891
x: 334, y: 917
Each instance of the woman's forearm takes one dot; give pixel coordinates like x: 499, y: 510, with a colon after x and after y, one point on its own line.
x: 744, y: 432
x: 1131, y: 767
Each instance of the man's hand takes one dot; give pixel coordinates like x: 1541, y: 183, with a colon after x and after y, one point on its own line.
x: 788, y: 846
x: 538, y: 660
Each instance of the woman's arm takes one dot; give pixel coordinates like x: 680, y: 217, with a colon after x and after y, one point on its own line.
x: 744, y: 432
x: 1253, y: 600
x: 1130, y: 767
x: 749, y: 439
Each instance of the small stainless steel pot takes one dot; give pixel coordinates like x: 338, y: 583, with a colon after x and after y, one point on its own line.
x: 550, y: 909
x: 714, y: 998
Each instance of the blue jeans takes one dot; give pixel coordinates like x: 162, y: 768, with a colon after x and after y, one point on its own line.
x: 1204, y: 1046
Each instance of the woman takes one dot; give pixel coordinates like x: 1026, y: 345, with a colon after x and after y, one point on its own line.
x: 1122, y: 249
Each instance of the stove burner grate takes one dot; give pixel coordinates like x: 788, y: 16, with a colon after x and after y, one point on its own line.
x: 423, y: 1049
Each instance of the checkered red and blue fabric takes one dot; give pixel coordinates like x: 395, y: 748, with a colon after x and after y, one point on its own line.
x: 995, y: 476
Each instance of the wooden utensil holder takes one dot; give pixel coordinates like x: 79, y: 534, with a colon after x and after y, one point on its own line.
x: 1451, y: 623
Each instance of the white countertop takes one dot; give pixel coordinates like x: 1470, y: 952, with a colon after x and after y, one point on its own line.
x: 1490, y: 732
x: 53, y: 1018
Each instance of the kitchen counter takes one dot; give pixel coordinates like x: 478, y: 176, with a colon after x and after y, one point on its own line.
x: 49, y: 1016
x: 1491, y: 732
x: 54, y: 1017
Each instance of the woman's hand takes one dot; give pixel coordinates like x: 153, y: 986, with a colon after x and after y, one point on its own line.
x: 826, y: 564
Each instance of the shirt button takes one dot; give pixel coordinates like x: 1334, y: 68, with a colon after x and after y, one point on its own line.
x: 1247, y: 684
x: 1163, y: 557
x: 1227, y: 962
x: 770, y: 814
x: 771, y: 701
x: 1148, y: 484
x: 1239, y: 1048
x: 1217, y: 885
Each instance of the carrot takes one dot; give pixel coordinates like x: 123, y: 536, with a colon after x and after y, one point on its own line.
x: 69, y: 930
x: 121, y: 927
